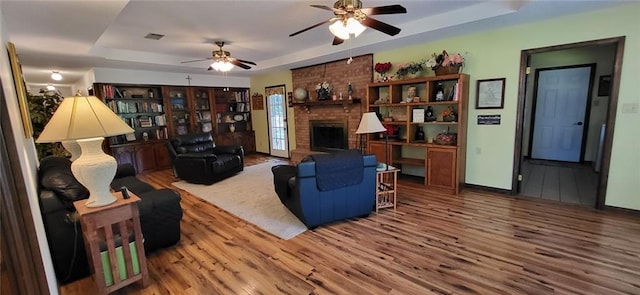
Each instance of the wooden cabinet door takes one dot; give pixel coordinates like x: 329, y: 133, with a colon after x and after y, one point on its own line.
x: 163, y: 161
x: 378, y: 149
x: 441, y: 168
x: 124, y: 155
x: 145, y: 158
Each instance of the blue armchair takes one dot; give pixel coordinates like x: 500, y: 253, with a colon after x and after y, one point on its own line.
x: 326, y: 188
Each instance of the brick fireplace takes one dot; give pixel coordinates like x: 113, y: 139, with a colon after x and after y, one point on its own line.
x: 338, y: 74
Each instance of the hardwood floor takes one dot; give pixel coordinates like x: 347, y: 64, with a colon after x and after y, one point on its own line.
x: 477, y: 243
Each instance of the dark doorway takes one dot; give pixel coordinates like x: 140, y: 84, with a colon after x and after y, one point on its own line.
x: 596, y: 150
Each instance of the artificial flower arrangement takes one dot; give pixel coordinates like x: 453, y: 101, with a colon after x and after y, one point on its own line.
x: 324, y: 90
x: 445, y: 59
x: 410, y: 68
x: 382, y: 69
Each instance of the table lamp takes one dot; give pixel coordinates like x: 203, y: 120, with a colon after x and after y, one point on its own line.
x: 371, y: 124
x: 87, y: 120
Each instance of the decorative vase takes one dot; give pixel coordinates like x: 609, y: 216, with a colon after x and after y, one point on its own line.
x: 324, y: 95
x: 382, y: 77
x: 300, y: 94
x: 232, y: 127
x: 412, y: 75
x: 453, y: 69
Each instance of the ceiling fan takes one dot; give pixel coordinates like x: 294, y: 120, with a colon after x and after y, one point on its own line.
x: 222, y: 60
x: 351, y: 18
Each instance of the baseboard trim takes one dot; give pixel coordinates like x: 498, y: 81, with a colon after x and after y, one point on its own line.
x: 488, y: 189
x: 622, y: 210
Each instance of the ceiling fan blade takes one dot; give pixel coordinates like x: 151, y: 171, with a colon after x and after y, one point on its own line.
x: 389, y: 9
x: 246, y: 61
x: 337, y: 41
x: 184, y: 62
x: 311, y: 27
x: 239, y: 64
x: 380, y: 26
x: 338, y: 11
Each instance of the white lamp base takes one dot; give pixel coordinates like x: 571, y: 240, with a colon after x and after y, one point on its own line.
x: 95, y: 170
x: 73, y: 148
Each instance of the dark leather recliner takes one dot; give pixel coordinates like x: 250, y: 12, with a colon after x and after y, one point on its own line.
x: 197, y: 159
x: 160, y: 214
x: 326, y: 188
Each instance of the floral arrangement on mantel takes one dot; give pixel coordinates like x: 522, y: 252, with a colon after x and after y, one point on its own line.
x: 324, y: 90
x: 382, y: 69
x: 410, y: 69
x: 445, y: 63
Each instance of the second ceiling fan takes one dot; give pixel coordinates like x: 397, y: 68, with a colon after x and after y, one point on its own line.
x: 351, y: 18
x: 222, y: 60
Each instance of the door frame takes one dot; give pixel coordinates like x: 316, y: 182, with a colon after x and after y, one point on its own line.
x: 611, y: 111
x: 286, y: 118
x: 587, y: 111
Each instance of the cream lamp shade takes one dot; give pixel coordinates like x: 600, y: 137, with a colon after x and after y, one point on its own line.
x: 80, y: 117
x: 370, y: 124
x: 87, y: 120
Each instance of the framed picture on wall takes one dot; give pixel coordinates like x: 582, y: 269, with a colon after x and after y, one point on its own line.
x: 21, y: 89
x: 490, y: 93
x: 604, y: 85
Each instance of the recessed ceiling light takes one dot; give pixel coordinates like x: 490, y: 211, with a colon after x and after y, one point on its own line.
x: 153, y: 36
x: 56, y: 76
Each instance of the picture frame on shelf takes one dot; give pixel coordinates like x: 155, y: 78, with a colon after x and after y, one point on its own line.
x: 490, y: 93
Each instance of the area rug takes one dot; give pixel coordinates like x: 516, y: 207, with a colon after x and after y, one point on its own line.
x: 250, y: 195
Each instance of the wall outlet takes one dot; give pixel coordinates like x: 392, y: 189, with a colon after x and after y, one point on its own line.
x: 630, y: 108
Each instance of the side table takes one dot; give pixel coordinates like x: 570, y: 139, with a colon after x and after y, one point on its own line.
x: 121, y: 261
x: 386, y: 188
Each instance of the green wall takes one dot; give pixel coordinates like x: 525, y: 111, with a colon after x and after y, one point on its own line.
x: 496, y: 54
x: 259, y: 118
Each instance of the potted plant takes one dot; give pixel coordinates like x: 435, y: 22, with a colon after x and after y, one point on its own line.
x: 445, y: 63
x: 324, y: 90
x: 41, y: 109
x: 382, y: 69
x: 410, y: 70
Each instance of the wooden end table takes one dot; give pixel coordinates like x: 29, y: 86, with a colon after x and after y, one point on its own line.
x: 103, y: 225
x: 386, y: 188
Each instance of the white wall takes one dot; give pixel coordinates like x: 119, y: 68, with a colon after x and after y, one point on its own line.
x: 27, y: 156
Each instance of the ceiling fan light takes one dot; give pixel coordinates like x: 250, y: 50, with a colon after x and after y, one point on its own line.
x: 56, y: 76
x: 355, y: 27
x: 339, y: 30
x: 222, y: 66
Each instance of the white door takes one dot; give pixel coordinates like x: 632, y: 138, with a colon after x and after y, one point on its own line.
x: 277, y: 117
x: 560, y: 114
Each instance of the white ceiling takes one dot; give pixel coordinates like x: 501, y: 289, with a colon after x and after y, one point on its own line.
x: 74, y: 36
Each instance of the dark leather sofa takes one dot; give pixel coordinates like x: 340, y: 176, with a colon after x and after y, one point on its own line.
x: 197, y: 158
x: 160, y: 214
x: 327, y: 188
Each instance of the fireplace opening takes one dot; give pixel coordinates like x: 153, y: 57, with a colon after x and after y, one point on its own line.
x: 328, y: 135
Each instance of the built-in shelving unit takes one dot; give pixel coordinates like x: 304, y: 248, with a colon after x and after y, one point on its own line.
x: 443, y: 165
x: 158, y: 113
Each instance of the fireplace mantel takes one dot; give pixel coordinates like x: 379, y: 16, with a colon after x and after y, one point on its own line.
x: 345, y: 103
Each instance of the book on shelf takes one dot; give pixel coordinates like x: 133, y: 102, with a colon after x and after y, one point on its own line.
x: 145, y: 121
x: 130, y: 136
x: 161, y: 120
